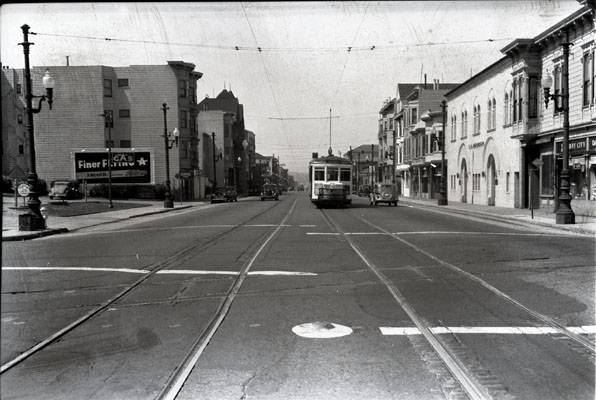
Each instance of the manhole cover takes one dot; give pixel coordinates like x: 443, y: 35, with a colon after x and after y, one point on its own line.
x: 321, y: 330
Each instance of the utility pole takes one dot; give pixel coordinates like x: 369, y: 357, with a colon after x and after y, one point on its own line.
x: 214, y: 161
x: 442, y: 200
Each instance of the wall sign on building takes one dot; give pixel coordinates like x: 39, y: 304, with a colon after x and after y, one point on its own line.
x: 127, y: 167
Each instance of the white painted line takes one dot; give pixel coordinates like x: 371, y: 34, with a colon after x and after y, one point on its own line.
x: 194, y: 272
x: 363, y: 233
x: 387, y: 330
x: 486, y: 330
x: 473, y: 233
x: 306, y: 226
x: 163, y: 271
x: 126, y: 270
x: 324, y: 233
x: 281, y: 273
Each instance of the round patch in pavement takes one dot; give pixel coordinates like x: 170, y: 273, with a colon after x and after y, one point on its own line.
x: 321, y: 330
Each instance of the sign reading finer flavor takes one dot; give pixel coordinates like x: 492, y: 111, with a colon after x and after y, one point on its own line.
x: 127, y: 167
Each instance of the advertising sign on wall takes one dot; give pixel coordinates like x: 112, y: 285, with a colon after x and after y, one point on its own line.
x: 127, y: 166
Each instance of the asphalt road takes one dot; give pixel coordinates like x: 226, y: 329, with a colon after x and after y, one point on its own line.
x: 280, y: 300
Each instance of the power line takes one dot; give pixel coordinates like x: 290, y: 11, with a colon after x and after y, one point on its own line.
x: 260, y: 49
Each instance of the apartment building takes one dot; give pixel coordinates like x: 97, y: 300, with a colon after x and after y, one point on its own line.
x: 421, y: 120
x: 224, y: 116
x: 386, y: 138
x: 77, y: 123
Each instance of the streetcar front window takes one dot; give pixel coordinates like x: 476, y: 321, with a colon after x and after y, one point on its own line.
x: 345, y: 175
x: 332, y: 173
x: 319, y: 174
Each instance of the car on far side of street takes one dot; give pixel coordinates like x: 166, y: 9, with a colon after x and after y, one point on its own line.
x: 230, y: 193
x: 224, y: 194
x: 270, y: 191
x: 383, y: 193
x: 65, y: 189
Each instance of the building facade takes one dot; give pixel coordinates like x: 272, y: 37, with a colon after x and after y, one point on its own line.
x: 386, y: 138
x: 420, y: 120
x: 540, y: 128
x: 134, y: 96
x: 482, y: 157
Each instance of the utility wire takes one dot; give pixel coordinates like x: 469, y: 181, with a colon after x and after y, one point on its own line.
x: 259, y: 49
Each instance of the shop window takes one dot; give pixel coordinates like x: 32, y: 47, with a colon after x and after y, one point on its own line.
x: 124, y: 113
x: 122, y: 82
x: 547, y: 178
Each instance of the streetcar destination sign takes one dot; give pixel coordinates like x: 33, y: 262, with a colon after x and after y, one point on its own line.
x: 127, y: 166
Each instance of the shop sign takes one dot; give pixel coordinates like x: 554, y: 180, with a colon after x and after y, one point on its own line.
x: 127, y: 167
x: 576, y: 146
x: 592, y: 143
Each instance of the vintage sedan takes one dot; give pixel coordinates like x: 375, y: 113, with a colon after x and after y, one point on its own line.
x: 65, y: 189
x: 383, y: 193
x: 270, y: 191
x: 224, y: 194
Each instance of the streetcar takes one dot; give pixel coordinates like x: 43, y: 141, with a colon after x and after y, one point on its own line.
x: 330, y: 180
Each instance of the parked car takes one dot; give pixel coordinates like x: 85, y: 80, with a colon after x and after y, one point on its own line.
x: 65, y: 189
x: 270, y: 191
x: 383, y: 193
x: 224, y: 194
x: 230, y: 193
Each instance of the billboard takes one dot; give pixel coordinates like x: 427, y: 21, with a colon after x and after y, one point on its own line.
x: 127, y: 166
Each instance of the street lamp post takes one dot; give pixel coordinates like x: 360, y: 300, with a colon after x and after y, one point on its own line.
x: 564, y: 213
x: 442, y: 200
x: 168, y: 143
x: 109, y: 121
x: 33, y: 221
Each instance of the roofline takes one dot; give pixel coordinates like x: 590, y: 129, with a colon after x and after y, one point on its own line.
x: 585, y: 10
x: 465, y: 83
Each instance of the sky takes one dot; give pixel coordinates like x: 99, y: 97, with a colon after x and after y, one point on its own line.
x: 314, y: 57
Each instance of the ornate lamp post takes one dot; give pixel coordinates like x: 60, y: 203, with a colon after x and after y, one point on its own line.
x: 442, y: 199
x: 564, y: 214
x: 168, y: 143
x: 33, y: 221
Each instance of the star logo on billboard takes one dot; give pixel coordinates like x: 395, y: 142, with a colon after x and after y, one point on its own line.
x: 142, y: 161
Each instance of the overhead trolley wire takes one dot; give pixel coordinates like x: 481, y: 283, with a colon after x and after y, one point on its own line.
x: 349, y: 49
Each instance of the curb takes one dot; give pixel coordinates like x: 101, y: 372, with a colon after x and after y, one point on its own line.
x: 48, y: 232
x: 34, y: 235
x: 503, y: 218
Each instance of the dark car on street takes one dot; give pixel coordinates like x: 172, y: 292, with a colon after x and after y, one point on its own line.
x: 270, y: 191
x: 65, y: 189
x: 224, y: 194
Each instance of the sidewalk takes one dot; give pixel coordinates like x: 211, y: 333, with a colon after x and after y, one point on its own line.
x: 55, y: 225
x: 584, y: 224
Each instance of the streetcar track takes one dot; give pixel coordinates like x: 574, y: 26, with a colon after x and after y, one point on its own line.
x: 458, y: 368
x: 152, y: 269
x: 182, y: 372
x: 455, y: 367
x: 541, y: 317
